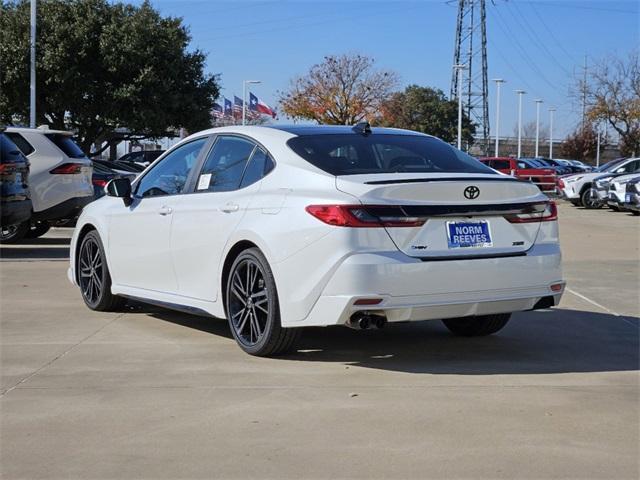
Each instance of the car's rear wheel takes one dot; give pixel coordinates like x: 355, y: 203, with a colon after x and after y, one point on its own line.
x: 13, y: 233
x: 37, y: 229
x: 252, y: 307
x: 588, y: 201
x: 477, y: 326
x: 94, y: 277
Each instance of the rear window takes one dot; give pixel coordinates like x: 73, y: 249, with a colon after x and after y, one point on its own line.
x: 24, y: 146
x: 351, y: 154
x: 66, y: 144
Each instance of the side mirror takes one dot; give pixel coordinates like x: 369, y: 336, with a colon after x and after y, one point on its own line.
x: 121, y: 188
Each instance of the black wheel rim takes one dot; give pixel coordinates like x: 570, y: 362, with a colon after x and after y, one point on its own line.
x: 249, y: 302
x: 8, y: 231
x: 91, y: 271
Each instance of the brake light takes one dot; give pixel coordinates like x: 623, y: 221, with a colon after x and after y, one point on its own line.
x: 364, y: 216
x: 67, y: 169
x: 541, y: 212
x: 560, y: 183
x: 98, y: 182
x: 7, y: 167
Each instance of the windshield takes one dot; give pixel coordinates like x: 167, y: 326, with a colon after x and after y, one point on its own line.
x: 66, y: 144
x: 608, y: 166
x: 352, y: 154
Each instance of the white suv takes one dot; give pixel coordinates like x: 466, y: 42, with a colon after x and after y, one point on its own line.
x: 59, y: 178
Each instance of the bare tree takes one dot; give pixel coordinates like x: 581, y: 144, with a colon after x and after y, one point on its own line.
x: 613, y: 96
x: 342, y: 90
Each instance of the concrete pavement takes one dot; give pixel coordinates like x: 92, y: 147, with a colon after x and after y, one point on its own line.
x: 154, y: 394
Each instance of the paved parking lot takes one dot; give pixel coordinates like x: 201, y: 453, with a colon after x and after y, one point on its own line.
x: 155, y: 394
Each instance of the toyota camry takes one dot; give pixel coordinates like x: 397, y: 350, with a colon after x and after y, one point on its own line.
x: 277, y: 228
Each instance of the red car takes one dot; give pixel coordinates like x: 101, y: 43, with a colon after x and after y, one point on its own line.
x: 544, y: 178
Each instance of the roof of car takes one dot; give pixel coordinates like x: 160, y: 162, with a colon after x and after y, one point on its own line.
x: 300, y: 130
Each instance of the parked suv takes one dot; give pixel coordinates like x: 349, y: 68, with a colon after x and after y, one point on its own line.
x: 522, y: 168
x: 632, y: 196
x: 15, y: 203
x: 59, y: 178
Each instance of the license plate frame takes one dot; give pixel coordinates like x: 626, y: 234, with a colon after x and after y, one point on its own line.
x: 469, y: 234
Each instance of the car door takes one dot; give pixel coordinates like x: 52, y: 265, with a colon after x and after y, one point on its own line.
x: 139, y: 234
x: 204, y: 220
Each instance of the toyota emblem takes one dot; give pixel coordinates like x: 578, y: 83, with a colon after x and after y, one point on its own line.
x: 471, y: 192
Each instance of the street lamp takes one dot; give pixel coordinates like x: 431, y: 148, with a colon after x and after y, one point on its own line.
x: 32, y: 80
x: 551, y: 110
x: 499, y: 82
x: 459, y: 69
x: 538, y: 102
x: 520, y: 94
x: 244, y: 98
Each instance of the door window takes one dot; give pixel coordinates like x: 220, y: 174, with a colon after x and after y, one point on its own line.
x: 225, y: 164
x: 501, y: 164
x: 169, y: 177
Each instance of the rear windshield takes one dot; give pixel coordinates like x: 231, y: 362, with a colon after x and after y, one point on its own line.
x: 66, y: 144
x: 351, y: 154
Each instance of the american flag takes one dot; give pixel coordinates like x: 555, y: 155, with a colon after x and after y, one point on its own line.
x: 228, y: 108
x: 217, y: 111
x: 237, y: 104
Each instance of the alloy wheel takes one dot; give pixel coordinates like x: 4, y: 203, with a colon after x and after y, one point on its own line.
x: 249, y: 302
x: 91, y: 271
x: 8, y: 231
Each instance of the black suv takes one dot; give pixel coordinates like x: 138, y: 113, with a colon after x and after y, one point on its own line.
x: 15, y: 202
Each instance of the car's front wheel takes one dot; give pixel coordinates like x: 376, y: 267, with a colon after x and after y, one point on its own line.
x: 588, y: 201
x: 252, y: 307
x: 94, y: 277
x: 37, y: 229
x: 13, y: 233
x: 477, y: 326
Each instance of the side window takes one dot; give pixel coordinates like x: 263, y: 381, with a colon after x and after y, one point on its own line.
x: 632, y: 167
x: 225, y: 164
x: 501, y: 164
x: 24, y: 146
x: 522, y: 165
x: 169, y: 177
x: 259, y: 165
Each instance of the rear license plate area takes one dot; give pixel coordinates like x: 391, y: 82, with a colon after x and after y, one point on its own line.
x: 468, y: 235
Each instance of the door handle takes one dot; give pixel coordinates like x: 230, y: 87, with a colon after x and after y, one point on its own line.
x: 230, y: 207
x: 164, y: 210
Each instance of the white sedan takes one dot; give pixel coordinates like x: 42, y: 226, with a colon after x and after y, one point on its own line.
x: 276, y: 228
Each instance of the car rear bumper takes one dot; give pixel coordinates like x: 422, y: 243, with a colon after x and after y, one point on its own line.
x: 14, y: 212
x: 69, y: 209
x: 411, y: 289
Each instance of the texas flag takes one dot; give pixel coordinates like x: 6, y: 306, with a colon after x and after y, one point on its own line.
x: 257, y: 105
x: 228, y: 108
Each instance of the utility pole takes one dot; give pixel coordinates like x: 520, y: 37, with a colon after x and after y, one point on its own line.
x: 499, y: 82
x: 471, y: 50
x: 459, y: 69
x: 551, y: 110
x: 584, y: 93
x: 538, y: 102
x: 32, y: 80
x: 520, y: 94
x: 598, y: 149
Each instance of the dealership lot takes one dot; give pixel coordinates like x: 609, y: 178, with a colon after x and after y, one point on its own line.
x: 156, y: 394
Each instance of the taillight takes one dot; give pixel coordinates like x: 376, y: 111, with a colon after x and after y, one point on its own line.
x: 560, y: 183
x: 67, y: 169
x: 7, y: 167
x: 364, y: 216
x: 98, y: 182
x: 540, y: 212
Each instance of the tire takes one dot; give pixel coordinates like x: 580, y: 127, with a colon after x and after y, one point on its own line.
x: 13, y: 233
x: 587, y: 201
x: 93, y: 276
x: 37, y: 230
x: 478, y: 326
x: 252, y: 307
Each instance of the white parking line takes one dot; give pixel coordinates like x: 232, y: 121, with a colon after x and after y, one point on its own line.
x: 602, y: 307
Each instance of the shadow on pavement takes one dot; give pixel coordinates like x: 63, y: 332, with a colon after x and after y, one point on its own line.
x: 550, y: 341
x: 48, y: 248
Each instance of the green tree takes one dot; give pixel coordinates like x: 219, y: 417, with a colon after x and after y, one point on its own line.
x: 108, y: 71
x: 426, y: 110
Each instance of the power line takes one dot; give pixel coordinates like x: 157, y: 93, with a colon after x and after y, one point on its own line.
x: 581, y: 7
x: 558, y: 43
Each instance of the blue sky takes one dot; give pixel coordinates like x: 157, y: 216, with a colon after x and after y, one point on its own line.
x: 536, y: 45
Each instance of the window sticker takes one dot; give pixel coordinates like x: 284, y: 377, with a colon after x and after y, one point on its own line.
x: 204, y: 181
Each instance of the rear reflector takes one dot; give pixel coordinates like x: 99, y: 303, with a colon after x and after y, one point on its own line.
x: 98, y: 182
x: 368, y: 301
x: 67, y: 169
x: 540, y: 212
x: 363, y: 216
x: 556, y: 287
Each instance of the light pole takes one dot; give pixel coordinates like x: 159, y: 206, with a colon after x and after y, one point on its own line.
x: 551, y: 110
x: 538, y: 102
x: 499, y: 82
x: 459, y: 69
x: 32, y: 81
x: 244, y: 98
x: 520, y: 94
